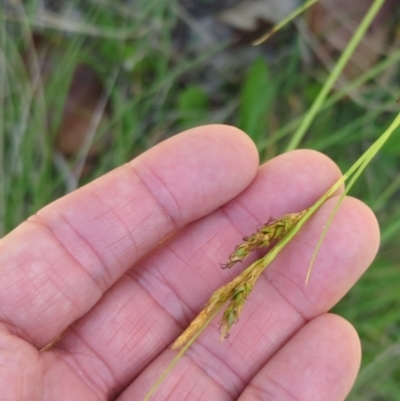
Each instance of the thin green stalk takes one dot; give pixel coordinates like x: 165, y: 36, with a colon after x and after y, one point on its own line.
x: 344, y: 134
x: 93, y: 127
x: 34, y: 99
x: 354, y: 172
x: 285, y: 21
x: 368, y: 75
x: 391, y: 230
x: 387, y: 193
x: 336, y: 97
x: 333, y: 76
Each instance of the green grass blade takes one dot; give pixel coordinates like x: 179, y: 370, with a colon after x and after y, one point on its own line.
x: 336, y: 97
x: 285, y: 21
x: 333, y: 76
x: 354, y: 172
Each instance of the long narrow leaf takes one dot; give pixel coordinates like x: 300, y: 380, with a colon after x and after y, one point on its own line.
x: 354, y: 172
x: 334, y: 75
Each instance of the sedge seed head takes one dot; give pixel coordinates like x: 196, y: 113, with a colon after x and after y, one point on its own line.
x: 239, y: 288
x: 270, y: 232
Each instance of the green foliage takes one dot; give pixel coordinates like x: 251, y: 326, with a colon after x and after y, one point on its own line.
x: 393, y: 145
x: 256, y: 98
x: 193, y: 105
x: 192, y: 98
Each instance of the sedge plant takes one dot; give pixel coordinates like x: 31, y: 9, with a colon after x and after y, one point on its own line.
x: 284, y: 229
x: 277, y: 233
x: 273, y: 235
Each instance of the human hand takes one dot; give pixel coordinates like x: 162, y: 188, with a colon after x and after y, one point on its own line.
x: 122, y: 265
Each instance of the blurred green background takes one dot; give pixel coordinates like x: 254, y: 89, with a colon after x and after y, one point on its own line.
x: 87, y: 86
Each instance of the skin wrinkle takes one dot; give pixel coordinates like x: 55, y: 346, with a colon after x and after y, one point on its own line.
x: 273, y: 344
x: 175, y: 323
x: 231, y: 222
x: 204, y: 275
x: 256, y: 221
x: 165, y: 281
x: 18, y: 330
x: 118, y: 386
x: 37, y: 219
x: 208, y: 369
x: 121, y: 221
x: 138, y: 280
x: 147, y: 333
x: 232, y: 349
x: 210, y: 279
x: 188, y: 393
x: 82, y: 375
x: 166, y: 211
x: 108, y: 245
x: 266, y: 346
x: 24, y: 387
x: 204, y: 246
x: 278, y: 385
x: 186, y: 309
x: 302, y: 186
x: 128, y: 232
x: 287, y: 301
x: 55, y: 321
x: 72, y: 301
x: 124, y: 205
x: 201, y: 394
x: 202, y: 251
x: 161, y: 340
x: 154, y: 306
x: 176, y: 386
x: 93, y: 193
x: 132, y: 233
x: 269, y: 394
x: 88, y: 376
x: 311, y: 352
x: 170, y: 249
x: 255, y: 339
x: 138, y: 234
x: 301, y: 288
x: 195, y: 365
x: 297, y: 239
x: 299, y: 190
x: 122, y: 325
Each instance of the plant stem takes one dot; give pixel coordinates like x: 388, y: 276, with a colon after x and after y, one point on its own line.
x: 333, y: 76
x: 285, y: 21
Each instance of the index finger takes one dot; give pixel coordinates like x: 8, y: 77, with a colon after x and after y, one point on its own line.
x: 56, y: 266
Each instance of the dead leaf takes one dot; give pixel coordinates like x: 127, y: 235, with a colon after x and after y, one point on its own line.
x: 84, y: 95
x: 82, y: 102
